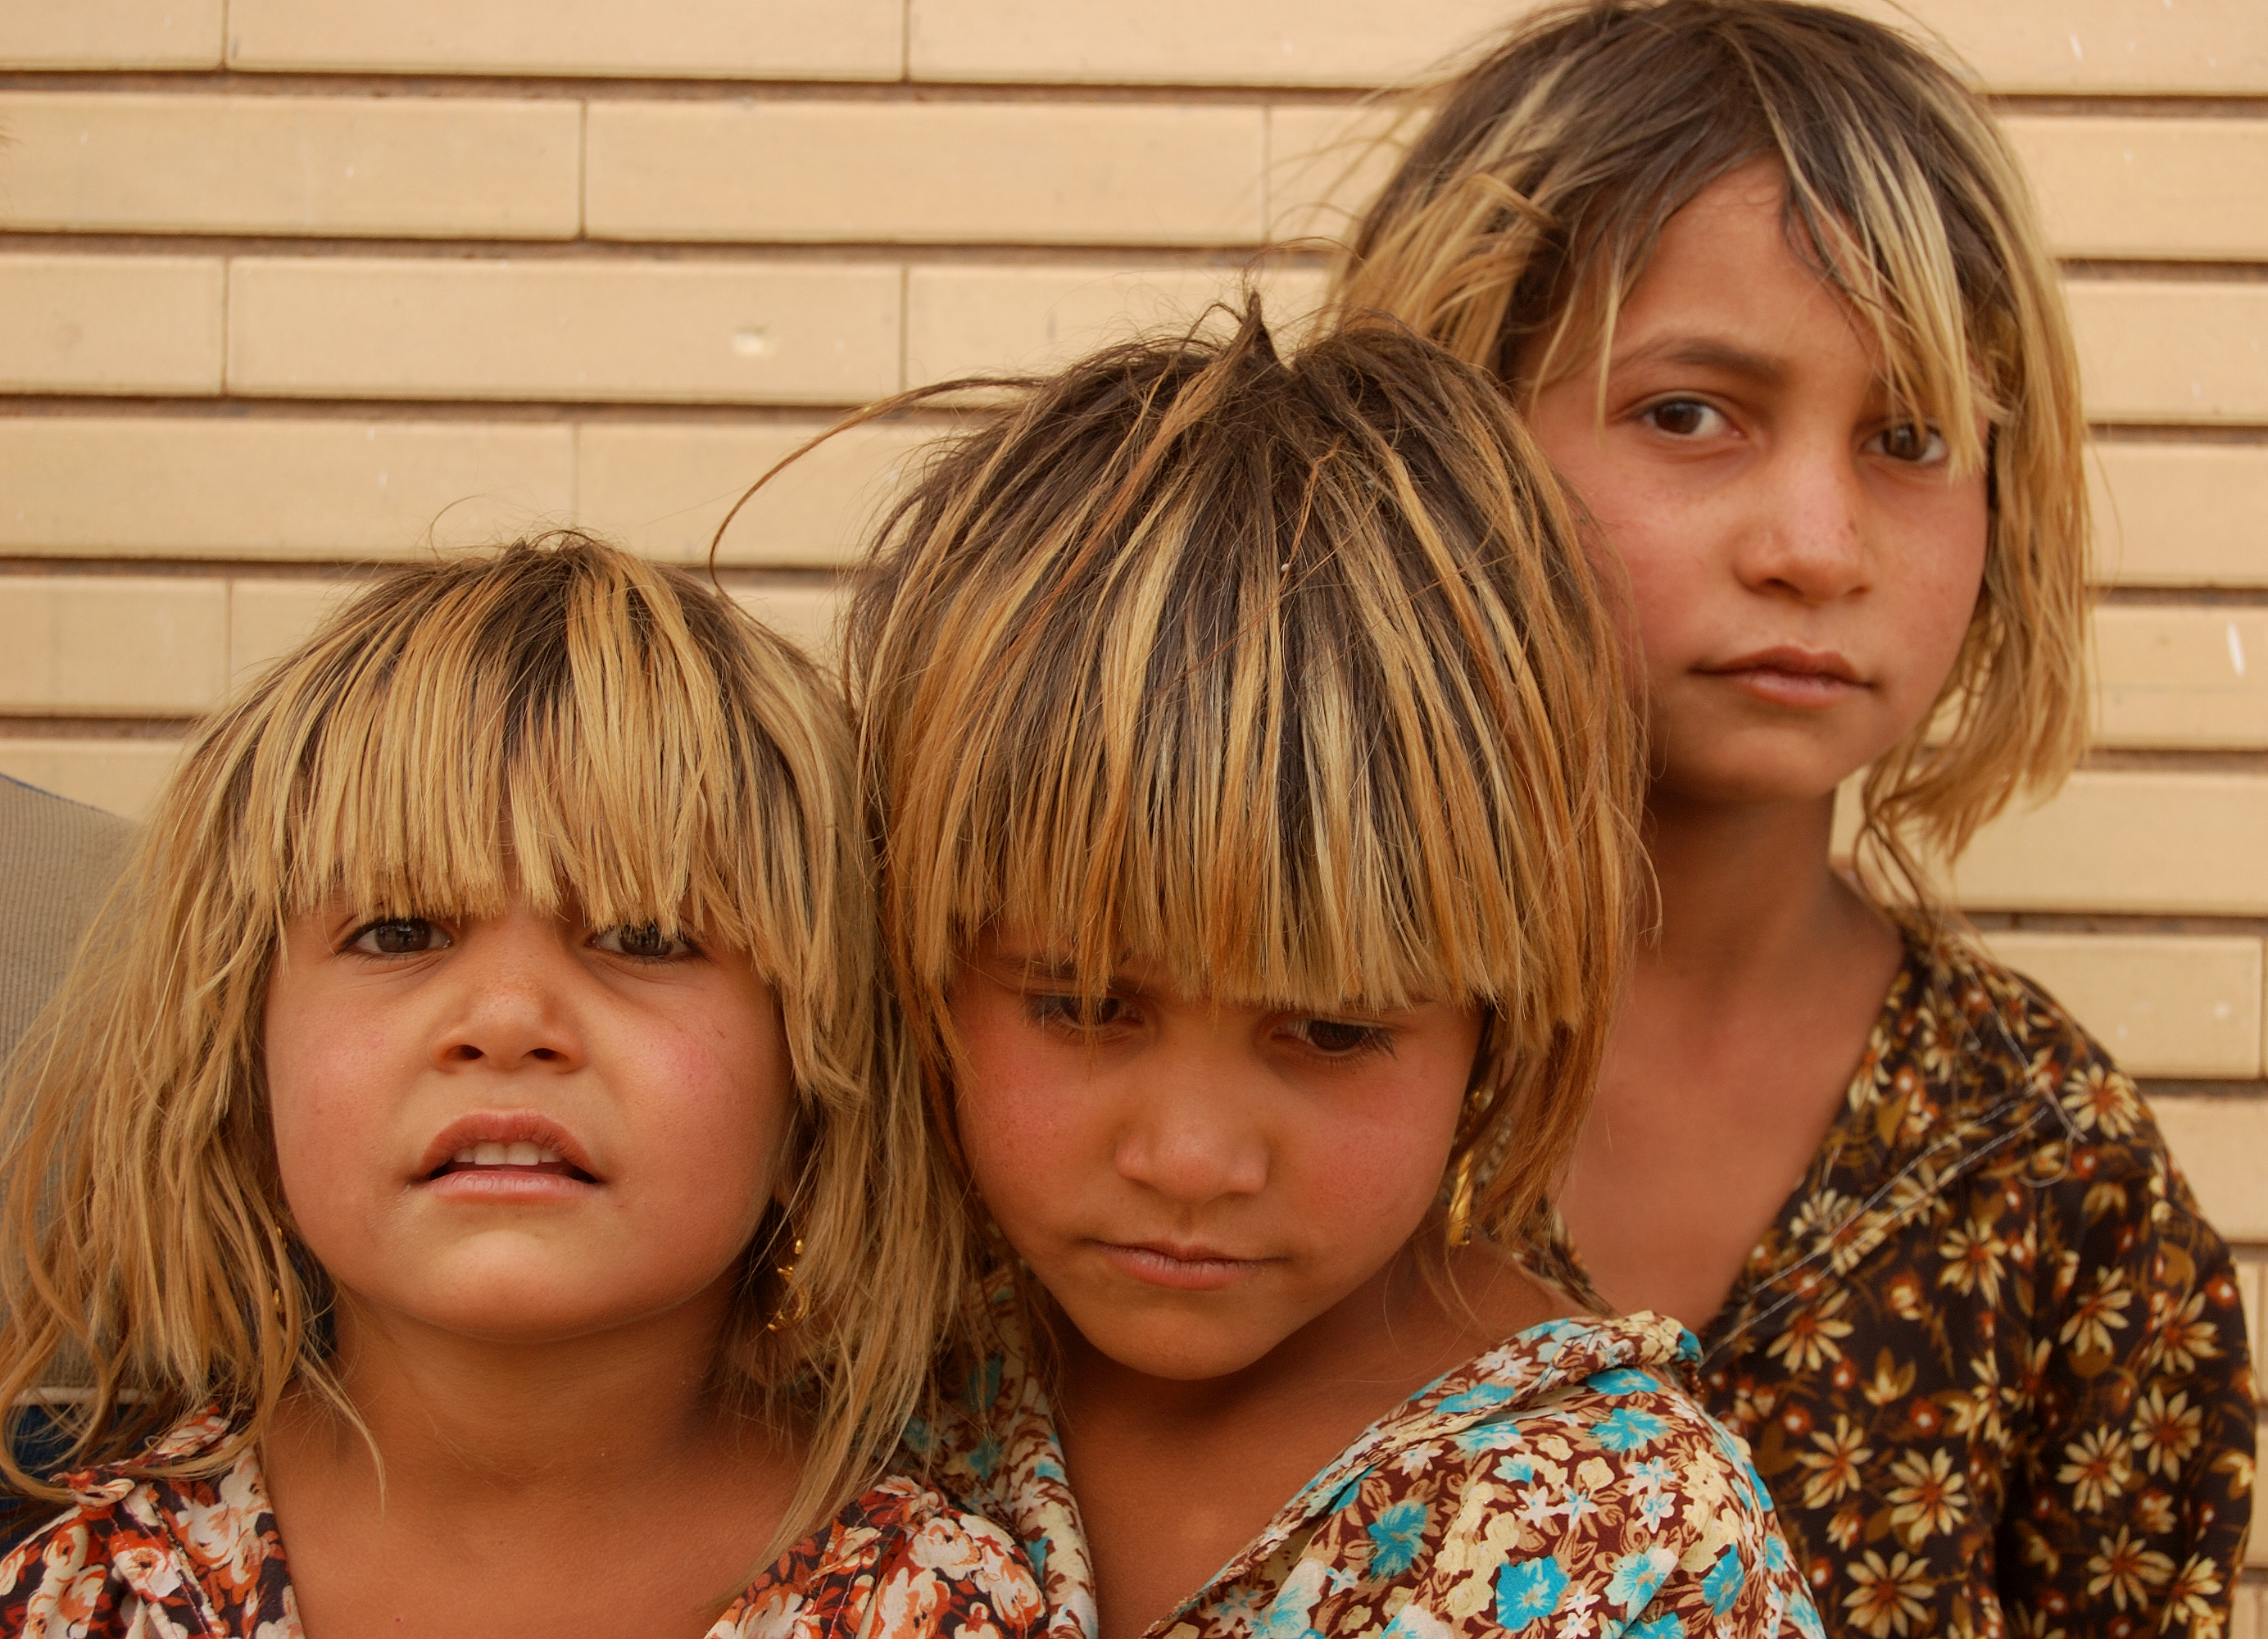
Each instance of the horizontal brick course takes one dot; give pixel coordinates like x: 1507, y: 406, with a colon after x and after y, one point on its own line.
x: 786, y: 333
x: 121, y: 776
x: 664, y: 489
x: 2222, y: 1145
x: 271, y: 488
x: 103, y: 162
x: 2133, y: 841
x: 2181, y: 515
x: 2149, y: 188
x: 111, y: 33
x: 2193, y: 679
x: 2164, y: 1005
x: 96, y: 645
x: 1109, y: 174
x: 2162, y: 351
x: 852, y: 39
x: 963, y: 320
x: 110, y: 324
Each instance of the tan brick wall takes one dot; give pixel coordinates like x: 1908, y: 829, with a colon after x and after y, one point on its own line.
x: 291, y: 285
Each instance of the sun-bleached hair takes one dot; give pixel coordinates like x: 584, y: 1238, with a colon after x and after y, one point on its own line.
x: 559, y: 719
x: 1537, y: 182
x: 1290, y: 678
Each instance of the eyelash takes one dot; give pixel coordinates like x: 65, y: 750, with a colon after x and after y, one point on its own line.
x: 679, y: 945
x: 1076, y: 1016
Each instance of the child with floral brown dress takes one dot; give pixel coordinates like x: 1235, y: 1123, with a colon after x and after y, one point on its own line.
x: 1765, y: 281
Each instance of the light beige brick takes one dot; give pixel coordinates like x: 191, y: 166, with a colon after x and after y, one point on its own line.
x: 2222, y: 1145
x: 110, y: 324
x: 2181, y: 515
x: 84, y: 645
x: 789, y: 333
x: 963, y: 320
x: 2163, y: 1004
x: 664, y: 489
x: 121, y: 776
x: 2203, y: 47
x: 111, y: 33
x: 268, y: 618
x: 804, y: 615
x: 2149, y: 842
x: 2164, y: 351
x: 1325, y: 165
x: 409, y: 166
x: 2157, y: 188
x: 2184, y: 678
x: 685, y: 39
x: 268, y: 488
x: 1190, y: 42
x: 2244, y: 1609
x: 2198, y: 46
x: 1054, y: 173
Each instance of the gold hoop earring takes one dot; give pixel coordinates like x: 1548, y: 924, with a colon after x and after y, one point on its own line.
x: 795, y: 1303
x: 1459, y: 1226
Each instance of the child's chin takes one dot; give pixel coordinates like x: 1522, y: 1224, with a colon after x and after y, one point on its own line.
x: 1181, y: 1351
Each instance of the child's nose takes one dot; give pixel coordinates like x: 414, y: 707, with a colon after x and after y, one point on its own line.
x: 1810, y: 536
x: 1190, y: 1136
x: 513, y: 1012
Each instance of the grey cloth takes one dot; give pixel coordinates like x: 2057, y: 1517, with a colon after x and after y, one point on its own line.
x: 58, y: 859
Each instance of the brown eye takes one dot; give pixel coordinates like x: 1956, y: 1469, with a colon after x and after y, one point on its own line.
x: 1339, y: 1038
x: 643, y: 942
x: 398, y: 936
x: 1915, y: 442
x: 1684, y: 418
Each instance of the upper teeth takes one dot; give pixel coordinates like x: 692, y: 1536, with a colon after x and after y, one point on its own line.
x: 521, y: 1155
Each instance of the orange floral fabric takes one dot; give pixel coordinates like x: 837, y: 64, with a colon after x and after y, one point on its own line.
x: 1990, y: 1357
x: 158, y: 1558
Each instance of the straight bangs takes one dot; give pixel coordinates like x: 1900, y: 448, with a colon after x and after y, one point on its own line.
x: 1529, y: 203
x: 552, y: 726
x: 1289, y: 680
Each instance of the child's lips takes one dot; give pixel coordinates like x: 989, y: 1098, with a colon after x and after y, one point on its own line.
x: 1179, y: 1267
x: 1790, y: 676
x: 507, y: 1154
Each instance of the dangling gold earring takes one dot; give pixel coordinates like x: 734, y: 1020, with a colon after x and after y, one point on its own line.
x: 1459, y: 1225
x: 795, y: 1303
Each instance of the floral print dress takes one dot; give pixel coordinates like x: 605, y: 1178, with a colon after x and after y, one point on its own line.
x: 155, y: 1558
x: 1565, y: 1484
x: 1989, y: 1358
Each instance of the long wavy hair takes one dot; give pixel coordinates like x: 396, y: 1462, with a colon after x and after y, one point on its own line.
x: 1537, y: 183
x: 558, y: 718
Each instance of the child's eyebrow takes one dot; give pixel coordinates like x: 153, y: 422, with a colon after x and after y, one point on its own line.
x: 1701, y: 352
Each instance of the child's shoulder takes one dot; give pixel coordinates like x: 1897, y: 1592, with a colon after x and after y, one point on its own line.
x: 134, y: 1552
x: 897, y: 1561
x: 1569, y: 1471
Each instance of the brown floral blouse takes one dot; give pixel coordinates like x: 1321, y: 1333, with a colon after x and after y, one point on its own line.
x: 158, y: 1559
x: 1989, y: 1358
x: 1565, y: 1484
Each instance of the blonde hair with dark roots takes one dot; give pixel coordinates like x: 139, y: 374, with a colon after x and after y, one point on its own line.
x: 559, y: 719
x: 1291, y: 678
x: 1532, y: 197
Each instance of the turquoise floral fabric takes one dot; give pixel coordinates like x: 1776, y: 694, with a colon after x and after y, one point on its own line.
x: 1565, y: 1484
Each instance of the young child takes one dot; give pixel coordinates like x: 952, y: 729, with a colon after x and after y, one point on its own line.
x: 1255, y: 785
x: 473, y: 1195
x: 1766, y: 282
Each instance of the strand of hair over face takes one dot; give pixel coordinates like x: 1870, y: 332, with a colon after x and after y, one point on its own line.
x: 1528, y: 204
x: 1289, y: 680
